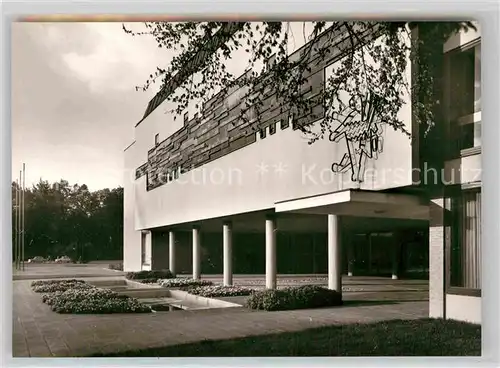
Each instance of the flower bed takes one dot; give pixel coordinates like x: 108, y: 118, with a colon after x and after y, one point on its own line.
x: 75, y: 295
x: 52, y: 282
x: 51, y: 286
x: 302, y: 297
x: 78, y: 297
x: 93, y: 301
x: 218, y: 290
x: 285, y: 281
x: 183, y: 282
x: 147, y: 275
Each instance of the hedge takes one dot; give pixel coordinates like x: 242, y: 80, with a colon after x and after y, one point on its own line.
x: 147, y: 281
x: 302, y: 297
x: 144, y: 275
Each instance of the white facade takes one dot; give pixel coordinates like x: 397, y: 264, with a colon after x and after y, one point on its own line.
x: 283, y: 174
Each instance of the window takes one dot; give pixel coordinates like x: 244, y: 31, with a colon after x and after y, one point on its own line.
x: 163, y: 177
x: 284, y: 124
x: 272, y: 128
x: 464, y: 76
x: 143, y: 248
x: 465, y: 252
x: 269, y: 63
x: 469, y: 128
x: 295, y: 124
x: 157, y: 139
x: 262, y: 133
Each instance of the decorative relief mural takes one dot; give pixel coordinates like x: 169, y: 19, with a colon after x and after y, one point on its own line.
x: 219, y: 130
x: 361, y: 131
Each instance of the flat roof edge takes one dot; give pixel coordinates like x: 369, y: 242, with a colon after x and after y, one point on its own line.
x: 130, y: 145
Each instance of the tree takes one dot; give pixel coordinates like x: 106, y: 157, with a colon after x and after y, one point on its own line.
x: 370, y: 79
x: 72, y: 220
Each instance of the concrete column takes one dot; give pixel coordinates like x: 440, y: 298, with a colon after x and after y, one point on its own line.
x: 147, y: 240
x: 334, y: 260
x: 227, y: 245
x: 270, y: 252
x: 196, y: 253
x: 171, y: 252
x: 439, y: 237
x: 149, y: 248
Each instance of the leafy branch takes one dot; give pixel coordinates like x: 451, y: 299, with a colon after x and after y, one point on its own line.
x: 370, y: 58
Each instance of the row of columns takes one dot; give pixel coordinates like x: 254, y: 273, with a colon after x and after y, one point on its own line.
x: 334, y: 257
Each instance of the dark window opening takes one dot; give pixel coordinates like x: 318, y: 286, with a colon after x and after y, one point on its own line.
x: 143, y: 248
x: 272, y: 128
x: 284, y: 124
x: 464, y: 90
x: 462, y: 83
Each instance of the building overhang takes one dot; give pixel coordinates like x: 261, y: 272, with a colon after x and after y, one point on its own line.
x: 359, y: 203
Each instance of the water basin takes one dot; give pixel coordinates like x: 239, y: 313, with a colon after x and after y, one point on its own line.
x: 162, y: 304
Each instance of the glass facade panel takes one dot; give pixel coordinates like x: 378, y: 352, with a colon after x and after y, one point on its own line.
x: 464, y: 89
x: 466, y: 241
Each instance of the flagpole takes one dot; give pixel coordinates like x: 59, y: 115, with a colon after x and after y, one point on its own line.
x: 16, y: 203
x: 24, y: 217
x: 19, y: 212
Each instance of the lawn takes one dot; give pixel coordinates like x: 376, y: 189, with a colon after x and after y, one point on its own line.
x: 424, y: 337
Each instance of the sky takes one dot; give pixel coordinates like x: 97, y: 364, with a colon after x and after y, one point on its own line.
x: 74, y: 103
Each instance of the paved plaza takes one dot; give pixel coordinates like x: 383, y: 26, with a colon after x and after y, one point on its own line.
x: 39, y: 332
x: 55, y: 271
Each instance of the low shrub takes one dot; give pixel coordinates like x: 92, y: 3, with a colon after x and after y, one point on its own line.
x: 147, y: 281
x: 217, y: 290
x: 155, y: 274
x: 302, y: 297
x: 52, y: 286
x: 116, y: 266
x: 183, y: 282
x: 93, y: 301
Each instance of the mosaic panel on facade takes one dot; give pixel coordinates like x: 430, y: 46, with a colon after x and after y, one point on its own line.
x: 219, y: 129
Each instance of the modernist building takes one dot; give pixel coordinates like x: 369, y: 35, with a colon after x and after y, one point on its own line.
x: 212, y: 195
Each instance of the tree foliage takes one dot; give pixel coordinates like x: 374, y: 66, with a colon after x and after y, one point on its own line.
x: 373, y: 67
x: 63, y: 219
